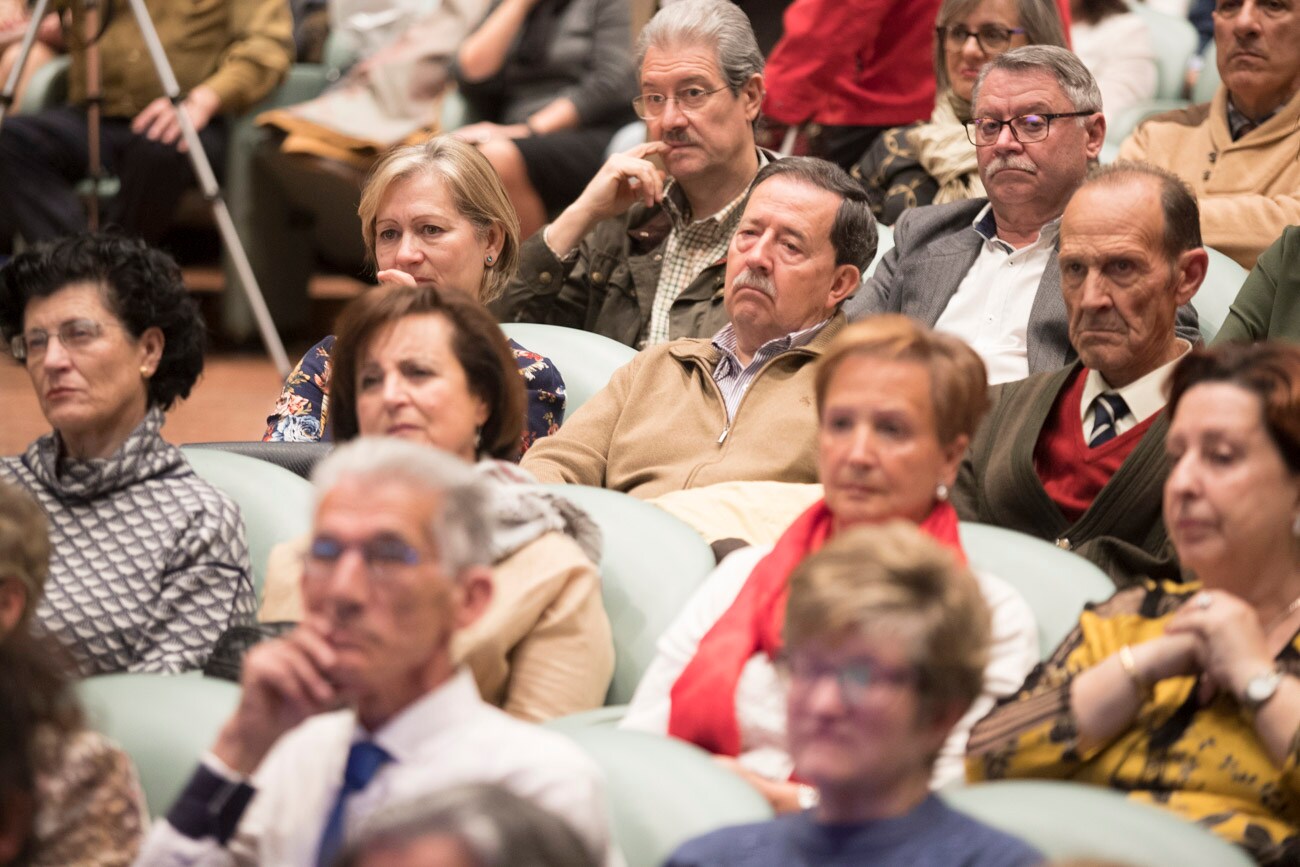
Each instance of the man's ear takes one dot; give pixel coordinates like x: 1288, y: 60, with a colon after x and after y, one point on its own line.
x: 13, y: 602
x: 1095, y: 127
x: 752, y: 96
x: 845, y: 282
x: 1190, y: 270
x: 474, y: 594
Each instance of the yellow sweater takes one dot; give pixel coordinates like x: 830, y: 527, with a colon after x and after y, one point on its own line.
x: 1248, y: 190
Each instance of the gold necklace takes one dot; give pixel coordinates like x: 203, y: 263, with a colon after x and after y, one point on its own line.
x: 1281, y: 618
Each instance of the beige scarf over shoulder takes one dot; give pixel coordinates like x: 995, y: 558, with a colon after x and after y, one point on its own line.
x: 945, y: 153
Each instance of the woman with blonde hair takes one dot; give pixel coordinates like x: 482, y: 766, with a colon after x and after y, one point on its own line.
x: 431, y: 213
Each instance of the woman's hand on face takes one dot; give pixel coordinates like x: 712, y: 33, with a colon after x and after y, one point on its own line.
x: 395, y: 275
x: 1231, y: 644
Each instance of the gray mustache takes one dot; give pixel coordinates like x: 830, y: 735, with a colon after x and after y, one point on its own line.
x: 1013, y: 162
x: 761, y: 282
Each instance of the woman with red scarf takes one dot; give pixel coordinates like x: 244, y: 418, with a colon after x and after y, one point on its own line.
x: 898, y: 404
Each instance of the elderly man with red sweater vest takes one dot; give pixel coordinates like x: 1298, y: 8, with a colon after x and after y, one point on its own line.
x: 1077, y: 456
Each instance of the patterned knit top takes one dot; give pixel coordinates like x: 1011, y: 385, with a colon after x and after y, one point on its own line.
x: 149, y: 562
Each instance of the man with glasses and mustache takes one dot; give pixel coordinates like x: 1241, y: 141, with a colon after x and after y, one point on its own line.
x: 985, y: 269
x: 1077, y: 457
x: 1240, y: 152
x: 363, y: 704
x: 737, y: 407
x: 639, y: 256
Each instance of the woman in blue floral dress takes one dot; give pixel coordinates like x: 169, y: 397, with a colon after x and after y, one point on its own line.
x: 431, y: 213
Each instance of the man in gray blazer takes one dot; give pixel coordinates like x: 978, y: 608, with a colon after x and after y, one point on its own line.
x: 986, y: 269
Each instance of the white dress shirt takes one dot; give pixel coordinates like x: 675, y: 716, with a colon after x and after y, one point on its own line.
x: 1145, y: 396
x: 760, y: 696
x: 449, y: 737
x: 991, y: 307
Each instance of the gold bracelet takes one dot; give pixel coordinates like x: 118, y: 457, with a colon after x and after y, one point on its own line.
x: 1129, y: 664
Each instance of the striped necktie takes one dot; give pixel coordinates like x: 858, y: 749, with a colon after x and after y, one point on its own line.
x: 364, y: 761
x: 1107, y: 408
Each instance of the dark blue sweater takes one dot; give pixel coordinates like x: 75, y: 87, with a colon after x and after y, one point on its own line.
x: 932, y: 835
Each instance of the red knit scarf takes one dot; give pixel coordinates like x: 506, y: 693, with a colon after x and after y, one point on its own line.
x: 704, y: 696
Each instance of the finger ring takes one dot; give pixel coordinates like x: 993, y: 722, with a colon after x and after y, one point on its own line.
x: 1205, y: 600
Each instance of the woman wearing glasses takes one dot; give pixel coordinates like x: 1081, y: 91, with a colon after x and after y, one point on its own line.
x: 897, y: 404
x: 550, y: 81
x: 149, y: 562
x: 933, y: 162
x: 434, y: 368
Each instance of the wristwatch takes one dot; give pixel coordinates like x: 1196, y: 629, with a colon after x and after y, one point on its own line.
x: 1260, y: 688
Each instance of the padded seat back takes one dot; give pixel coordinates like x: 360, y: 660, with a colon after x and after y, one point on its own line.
x: 1068, y: 820
x: 1055, y: 583
x: 1174, y: 40
x: 164, y: 722
x: 1222, y: 282
x: 276, y: 504
x: 662, y: 792
x: 651, y: 565
x: 585, y: 360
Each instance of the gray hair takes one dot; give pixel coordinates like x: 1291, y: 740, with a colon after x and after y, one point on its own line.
x: 1040, y: 19
x: 461, y: 531
x: 717, y: 23
x: 1076, y: 82
x: 496, y: 826
x: 853, y: 233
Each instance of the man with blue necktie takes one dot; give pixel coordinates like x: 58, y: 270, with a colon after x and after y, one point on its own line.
x: 363, y: 704
x: 1077, y: 456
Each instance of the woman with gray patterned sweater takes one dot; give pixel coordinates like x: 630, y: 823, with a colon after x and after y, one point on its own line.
x: 149, y: 562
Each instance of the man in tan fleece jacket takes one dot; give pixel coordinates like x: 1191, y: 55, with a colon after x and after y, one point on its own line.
x: 739, y: 406
x: 1240, y: 152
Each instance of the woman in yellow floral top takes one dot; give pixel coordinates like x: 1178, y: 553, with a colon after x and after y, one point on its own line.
x: 1188, y: 696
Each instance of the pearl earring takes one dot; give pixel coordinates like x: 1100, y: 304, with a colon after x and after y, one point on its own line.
x: 941, y: 492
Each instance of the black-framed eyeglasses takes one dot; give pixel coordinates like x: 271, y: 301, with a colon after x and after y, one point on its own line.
x: 855, y: 679
x: 75, y: 335
x: 991, y: 38
x: 688, y: 99
x: 384, y: 557
x: 984, y: 131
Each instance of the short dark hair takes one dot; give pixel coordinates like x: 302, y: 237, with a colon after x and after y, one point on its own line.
x: 141, y: 286
x: 478, y: 343
x: 1177, y: 202
x: 1269, y: 370
x: 853, y: 234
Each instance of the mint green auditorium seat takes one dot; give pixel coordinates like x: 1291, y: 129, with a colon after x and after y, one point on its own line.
x: 662, y: 792
x: 585, y: 360
x: 276, y: 503
x: 1069, y: 820
x: 651, y: 565
x: 1055, y: 582
x: 164, y: 722
x: 1222, y: 283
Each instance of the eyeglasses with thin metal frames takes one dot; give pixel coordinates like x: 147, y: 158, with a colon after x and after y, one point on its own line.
x: 75, y: 335
x: 650, y: 105
x: 385, y: 557
x: 1026, y: 128
x: 855, y: 680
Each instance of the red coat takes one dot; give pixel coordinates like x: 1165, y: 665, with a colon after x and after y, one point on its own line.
x: 856, y: 62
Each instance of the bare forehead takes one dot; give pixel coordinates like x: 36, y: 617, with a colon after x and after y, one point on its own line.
x: 365, y: 506
x: 786, y: 202
x: 680, y: 62
x: 1018, y: 92
x: 1121, y: 214
x: 421, y: 192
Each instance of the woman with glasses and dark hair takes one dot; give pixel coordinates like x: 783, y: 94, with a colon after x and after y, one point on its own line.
x: 1187, y: 696
x: 933, y: 162
x: 433, y: 367
x: 886, y: 639
x: 550, y: 82
x: 149, y: 562
x: 898, y: 404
